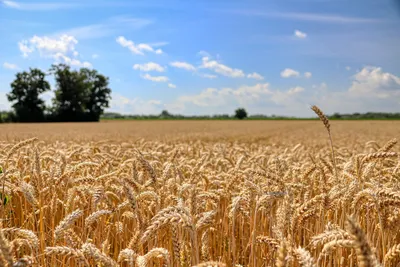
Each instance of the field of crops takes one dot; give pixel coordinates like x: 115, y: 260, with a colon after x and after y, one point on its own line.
x: 200, y: 193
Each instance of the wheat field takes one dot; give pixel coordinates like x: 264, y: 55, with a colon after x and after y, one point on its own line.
x: 201, y: 193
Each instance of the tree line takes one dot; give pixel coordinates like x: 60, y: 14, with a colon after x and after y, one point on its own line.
x: 80, y: 95
x: 242, y: 114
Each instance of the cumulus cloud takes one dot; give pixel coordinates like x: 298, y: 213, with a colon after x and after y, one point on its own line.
x: 308, y: 75
x: 371, y: 90
x: 255, y: 75
x: 287, y: 73
x: 256, y: 98
x: 374, y: 82
x: 300, y: 34
x: 24, y: 48
x: 158, y: 79
x: 221, y: 68
x: 183, y: 65
x: 170, y: 85
x: 295, y: 90
x: 126, y: 105
x: 151, y: 66
x: 138, y: 49
x: 59, y: 57
x: 61, y: 49
x: 243, y: 95
x: 10, y: 66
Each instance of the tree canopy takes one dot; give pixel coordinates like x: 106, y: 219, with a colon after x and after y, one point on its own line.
x: 25, y: 95
x: 80, y: 95
x: 240, y: 113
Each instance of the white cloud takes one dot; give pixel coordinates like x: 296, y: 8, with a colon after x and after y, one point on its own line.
x: 371, y: 90
x: 295, y: 90
x: 10, y: 66
x: 170, y: 85
x: 155, y: 78
x: 49, y: 46
x: 245, y: 95
x: 137, y: 49
x: 255, y: 75
x: 183, y: 65
x: 212, y: 97
x: 209, y: 76
x: 288, y: 99
x: 94, y: 56
x: 61, y: 49
x: 137, y: 106
x: 151, y: 66
x: 373, y: 82
x: 24, y: 48
x: 59, y: 57
x: 300, y: 34
x: 11, y: 4
x: 221, y: 68
x: 348, y: 68
x: 286, y: 73
x: 308, y: 75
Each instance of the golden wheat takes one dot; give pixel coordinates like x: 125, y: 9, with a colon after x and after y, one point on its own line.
x: 201, y: 195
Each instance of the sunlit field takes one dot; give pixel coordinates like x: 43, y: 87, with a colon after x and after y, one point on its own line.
x: 200, y: 193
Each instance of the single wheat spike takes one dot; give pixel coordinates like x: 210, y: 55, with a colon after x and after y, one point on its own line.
x: 127, y: 255
x: 67, y: 252
x: 66, y: 223
x: 322, y: 117
x: 379, y: 155
x: 281, y: 260
x: 20, y: 145
x: 92, y: 218
x: 142, y: 261
x: 91, y: 251
x: 304, y: 257
x: 364, y: 253
x: 389, y: 145
x: 325, y: 121
x: 175, y: 243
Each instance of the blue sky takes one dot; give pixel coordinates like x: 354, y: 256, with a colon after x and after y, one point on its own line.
x: 210, y: 57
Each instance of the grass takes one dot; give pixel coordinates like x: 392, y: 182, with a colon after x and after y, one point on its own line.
x: 201, y: 193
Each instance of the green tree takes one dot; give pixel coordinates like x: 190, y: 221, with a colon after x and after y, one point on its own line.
x: 165, y: 114
x: 26, y: 89
x: 240, y: 113
x: 70, y: 94
x: 99, y: 94
x: 80, y: 95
